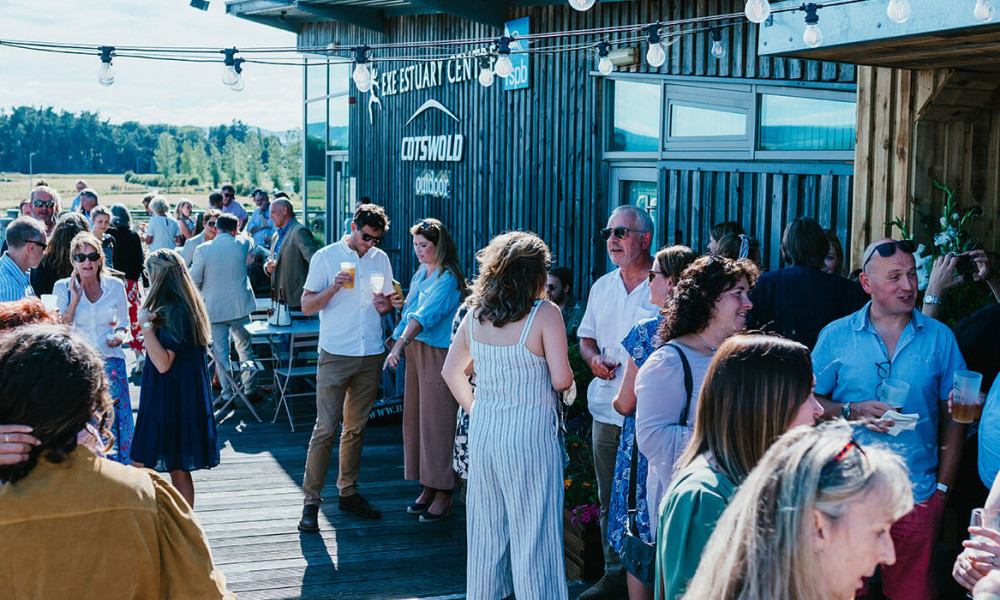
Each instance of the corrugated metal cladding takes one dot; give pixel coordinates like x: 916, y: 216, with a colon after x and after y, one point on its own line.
x: 533, y: 158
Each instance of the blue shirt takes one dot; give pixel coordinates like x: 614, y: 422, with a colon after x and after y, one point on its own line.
x: 281, y: 237
x: 989, y: 436
x: 14, y: 283
x: 263, y: 236
x: 846, y: 361
x: 432, y: 301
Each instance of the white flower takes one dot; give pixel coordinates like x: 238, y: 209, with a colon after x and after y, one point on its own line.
x: 943, y: 221
x: 954, y: 216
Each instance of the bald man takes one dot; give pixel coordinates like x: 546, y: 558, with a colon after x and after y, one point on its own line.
x: 889, y: 338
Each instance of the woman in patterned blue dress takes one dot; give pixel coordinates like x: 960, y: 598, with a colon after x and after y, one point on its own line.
x: 640, y: 342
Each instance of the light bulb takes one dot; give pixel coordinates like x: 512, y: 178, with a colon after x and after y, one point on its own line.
x: 106, y: 74
x: 362, y: 77
x: 605, y: 66
x: 718, y: 50
x: 813, y: 35
x: 984, y: 10
x: 757, y: 11
x: 582, y: 5
x: 655, y: 56
x: 898, y: 11
x: 486, y: 77
x: 229, y: 75
x: 503, y: 66
x: 240, y: 85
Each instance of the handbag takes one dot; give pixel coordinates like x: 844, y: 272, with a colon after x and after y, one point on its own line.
x: 638, y: 556
x: 279, y: 315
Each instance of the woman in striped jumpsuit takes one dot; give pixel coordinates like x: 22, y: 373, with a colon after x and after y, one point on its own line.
x: 516, y: 343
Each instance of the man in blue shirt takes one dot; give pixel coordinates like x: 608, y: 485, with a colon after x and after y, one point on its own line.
x: 260, y: 225
x: 890, y: 338
x: 25, y: 246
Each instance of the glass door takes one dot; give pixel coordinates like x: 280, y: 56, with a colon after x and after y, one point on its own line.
x: 340, y: 195
x: 638, y: 186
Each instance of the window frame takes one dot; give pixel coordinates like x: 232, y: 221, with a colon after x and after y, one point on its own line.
x: 609, y: 117
x: 813, y: 93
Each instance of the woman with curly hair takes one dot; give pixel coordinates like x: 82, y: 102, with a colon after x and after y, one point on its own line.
x: 515, y: 341
x: 709, y: 304
x: 175, y: 429
x: 56, y: 263
x: 64, y: 500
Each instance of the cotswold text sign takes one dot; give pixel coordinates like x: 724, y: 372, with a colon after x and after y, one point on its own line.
x: 433, y: 148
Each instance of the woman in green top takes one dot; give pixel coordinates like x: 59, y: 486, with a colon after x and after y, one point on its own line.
x: 756, y: 388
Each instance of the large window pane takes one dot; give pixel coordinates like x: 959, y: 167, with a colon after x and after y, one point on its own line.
x: 692, y: 121
x: 316, y: 80
x: 337, y: 123
x: 340, y: 76
x: 797, y: 123
x: 315, y: 156
x: 636, y: 117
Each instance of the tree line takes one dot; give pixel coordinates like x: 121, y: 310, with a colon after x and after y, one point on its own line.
x: 159, y: 154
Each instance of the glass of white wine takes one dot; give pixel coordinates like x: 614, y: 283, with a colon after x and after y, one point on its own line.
x: 377, y: 281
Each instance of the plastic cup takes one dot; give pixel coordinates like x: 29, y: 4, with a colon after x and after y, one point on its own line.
x: 349, y: 267
x: 987, y: 519
x: 49, y: 302
x: 894, y: 393
x: 965, y: 406
x: 377, y: 281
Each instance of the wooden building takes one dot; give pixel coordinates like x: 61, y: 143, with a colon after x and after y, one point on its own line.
x: 745, y: 137
x: 928, y: 109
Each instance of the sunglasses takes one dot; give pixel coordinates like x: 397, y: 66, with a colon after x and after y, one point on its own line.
x: 210, y: 224
x: 42, y: 244
x: 44, y: 203
x: 889, y: 248
x: 831, y: 465
x: 92, y: 257
x: 619, y: 232
x: 371, y: 238
x: 653, y: 274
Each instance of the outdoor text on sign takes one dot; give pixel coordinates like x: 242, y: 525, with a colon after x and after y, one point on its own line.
x: 436, y: 184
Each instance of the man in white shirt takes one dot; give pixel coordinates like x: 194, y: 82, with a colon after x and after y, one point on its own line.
x: 231, y: 206
x: 351, y: 351
x: 617, y: 301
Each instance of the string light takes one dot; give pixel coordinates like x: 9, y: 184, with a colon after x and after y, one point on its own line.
x: 757, y: 11
x: 718, y: 50
x: 984, y: 10
x: 813, y: 35
x: 362, y: 76
x: 604, y: 65
x: 898, y: 11
x: 582, y: 5
x: 486, y: 77
x: 503, y: 66
x: 239, y: 85
x: 229, y: 74
x: 106, y: 73
x: 655, y: 56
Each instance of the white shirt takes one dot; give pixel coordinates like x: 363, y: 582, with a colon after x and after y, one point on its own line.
x: 349, y: 325
x: 163, y: 230
x: 611, y: 313
x: 92, y: 319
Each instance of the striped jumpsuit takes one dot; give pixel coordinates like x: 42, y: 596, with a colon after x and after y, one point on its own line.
x: 515, y: 494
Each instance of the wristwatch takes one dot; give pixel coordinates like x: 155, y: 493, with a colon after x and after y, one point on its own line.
x: 942, y: 488
x: 931, y: 299
x: 845, y: 411
x: 405, y: 340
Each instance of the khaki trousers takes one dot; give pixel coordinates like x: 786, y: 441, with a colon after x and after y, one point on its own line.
x: 428, y: 419
x: 346, y: 387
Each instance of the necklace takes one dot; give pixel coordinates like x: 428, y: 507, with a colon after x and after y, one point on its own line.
x: 710, y: 346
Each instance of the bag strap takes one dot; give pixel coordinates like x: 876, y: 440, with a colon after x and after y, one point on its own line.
x: 688, y: 383
x: 633, y: 529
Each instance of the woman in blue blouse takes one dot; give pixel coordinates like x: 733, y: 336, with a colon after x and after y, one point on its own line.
x: 436, y: 290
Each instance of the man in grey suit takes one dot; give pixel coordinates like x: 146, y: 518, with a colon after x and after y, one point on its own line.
x: 292, y: 247
x: 219, y: 269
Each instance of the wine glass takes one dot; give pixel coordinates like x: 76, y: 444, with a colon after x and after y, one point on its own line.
x: 377, y: 281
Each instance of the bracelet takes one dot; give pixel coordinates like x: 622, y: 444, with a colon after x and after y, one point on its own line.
x: 931, y: 299
x: 942, y: 488
x: 845, y: 411
x: 145, y: 325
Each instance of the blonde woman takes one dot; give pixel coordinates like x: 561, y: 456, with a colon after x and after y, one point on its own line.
x: 185, y: 221
x: 95, y: 304
x: 175, y: 430
x: 810, y: 522
x: 161, y: 231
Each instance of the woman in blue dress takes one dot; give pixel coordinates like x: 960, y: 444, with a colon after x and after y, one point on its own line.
x: 175, y: 430
x: 640, y: 342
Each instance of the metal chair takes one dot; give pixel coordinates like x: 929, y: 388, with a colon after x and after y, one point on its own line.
x: 302, y: 362
x: 231, y: 379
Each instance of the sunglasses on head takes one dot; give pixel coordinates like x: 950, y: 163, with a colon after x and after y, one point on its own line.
x: 831, y: 465
x: 92, y: 257
x: 618, y: 232
x: 889, y: 248
x: 45, y: 203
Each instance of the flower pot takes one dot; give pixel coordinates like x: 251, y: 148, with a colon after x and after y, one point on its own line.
x: 582, y: 550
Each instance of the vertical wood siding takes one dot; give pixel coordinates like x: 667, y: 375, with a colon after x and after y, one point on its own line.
x: 533, y: 157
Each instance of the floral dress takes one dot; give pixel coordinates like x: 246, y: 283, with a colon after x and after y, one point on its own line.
x: 460, y: 455
x: 640, y: 342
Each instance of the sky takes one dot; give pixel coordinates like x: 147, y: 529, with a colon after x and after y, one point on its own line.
x: 145, y: 91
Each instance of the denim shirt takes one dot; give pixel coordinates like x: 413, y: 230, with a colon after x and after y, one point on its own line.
x: 846, y: 364
x: 432, y: 301
x: 14, y: 283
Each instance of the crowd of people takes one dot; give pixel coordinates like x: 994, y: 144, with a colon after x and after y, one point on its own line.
x: 745, y: 442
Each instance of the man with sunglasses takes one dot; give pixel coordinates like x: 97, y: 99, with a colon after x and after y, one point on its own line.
x: 889, y: 338
x: 351, y: 352
x: 209, y: 219
x: 617, y: 301
x: 45, y: 203
x: 25, y: 246
x: 231, y: 206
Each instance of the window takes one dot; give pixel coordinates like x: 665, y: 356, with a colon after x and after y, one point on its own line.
x: 315, y: 81
x: 635, y: 117
x: 337, y: 121
x: 315, y: 152
x: 790, y: 123
x: 340, y: 77
x: 692, y: 121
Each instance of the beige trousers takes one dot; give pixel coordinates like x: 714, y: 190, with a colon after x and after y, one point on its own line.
x: 428, y: 419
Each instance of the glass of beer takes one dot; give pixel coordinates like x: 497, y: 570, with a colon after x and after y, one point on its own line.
x: 965, y: 406
x: 377, y: 281
x: 349, y: 267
